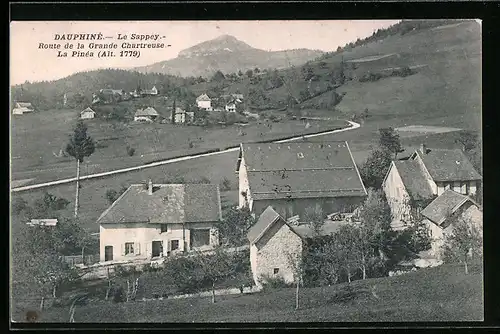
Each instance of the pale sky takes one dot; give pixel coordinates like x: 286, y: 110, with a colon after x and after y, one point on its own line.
x: 28, y: 62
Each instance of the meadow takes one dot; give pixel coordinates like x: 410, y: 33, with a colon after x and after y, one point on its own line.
x: 438, y: 294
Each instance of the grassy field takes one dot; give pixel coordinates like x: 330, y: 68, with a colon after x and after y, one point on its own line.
x: 436, y: 294
x: 34, y: 158
x: 215, y: 168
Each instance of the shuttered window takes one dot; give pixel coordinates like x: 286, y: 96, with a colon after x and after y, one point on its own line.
x: 129, y: 248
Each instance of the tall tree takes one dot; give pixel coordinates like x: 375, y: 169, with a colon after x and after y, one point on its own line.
x: 234, y: 226
x: 296, y: 263
x: 174, y: 107
x: 389, y: 140
x: 375, y: 168
x: 80, y: 145
x: 215, y: 267
x: 467, y: 140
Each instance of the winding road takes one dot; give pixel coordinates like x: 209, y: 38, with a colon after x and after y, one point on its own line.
x: 353, y: 126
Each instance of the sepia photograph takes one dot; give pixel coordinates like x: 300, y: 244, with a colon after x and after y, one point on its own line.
x: 268, y: 171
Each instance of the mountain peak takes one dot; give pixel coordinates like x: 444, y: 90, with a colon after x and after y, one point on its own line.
x: 220, y: 44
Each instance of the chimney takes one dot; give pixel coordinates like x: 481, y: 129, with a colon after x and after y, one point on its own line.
x: 150, y: 187
x: 423, y: 148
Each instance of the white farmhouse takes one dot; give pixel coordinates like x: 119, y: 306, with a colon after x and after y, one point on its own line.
x: 182, y: 116
x: 204, y: 102
x: 87, y: 113
x: 230, y: 107
x: 22, y: 108
x: 155, y: 220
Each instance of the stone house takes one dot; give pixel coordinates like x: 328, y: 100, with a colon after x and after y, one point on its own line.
x: 441, y: 213
x: 276, y: 243
x: 299, y: 178
x: 411, y: 184
x: 154, y: 220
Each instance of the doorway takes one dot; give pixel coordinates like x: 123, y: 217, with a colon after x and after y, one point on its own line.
x: 108, y: 253
x: 157, y: 248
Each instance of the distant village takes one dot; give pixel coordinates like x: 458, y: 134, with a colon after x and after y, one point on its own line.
x: 225, y: 103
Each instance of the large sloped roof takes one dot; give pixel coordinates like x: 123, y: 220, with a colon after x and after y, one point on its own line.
x: 301, y: 170
x: 413, y: 179
x: 449, y: 165
x: 169, y: 203
x: 149, y: 111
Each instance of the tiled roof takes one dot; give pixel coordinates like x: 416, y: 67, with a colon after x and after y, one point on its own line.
x: 444, y: 205
x: 449, y: 165
x: 24, y: 105
x: 149, y: 111
x: 266, y: 219
x: 203, y: 97
x: 301, y: 170
x: 413, y: 179
x: 88, y: 109
x: 169, y: 203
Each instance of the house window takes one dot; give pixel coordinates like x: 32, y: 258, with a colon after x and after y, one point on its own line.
x: 174, y: 245
x: 467, y: 188
x: 129, y: 248
x: 163, y: 228
x: 200, y: 237
x: 276, y: 271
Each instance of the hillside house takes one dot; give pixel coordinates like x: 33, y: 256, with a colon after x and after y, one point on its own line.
x: 182, y: 116
x: 148, y: 114
x: 275, y: 244
x: 299, y: 178
x: 154, y: 220
x: 441, y: 213
x: 230, y: 107
x: 410, y: 184
x: 42, y: 222
x: 21, y: 108
x: 204, y: 102
x: 152, y: 92
x: 87, y: 113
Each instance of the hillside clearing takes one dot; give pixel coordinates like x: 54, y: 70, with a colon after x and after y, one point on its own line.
x: 435, y: 294
x: 370, y: 58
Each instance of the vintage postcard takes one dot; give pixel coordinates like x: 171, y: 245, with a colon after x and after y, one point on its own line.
x: 246, y: 171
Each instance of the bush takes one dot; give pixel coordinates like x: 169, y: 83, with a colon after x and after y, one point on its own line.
x: 119, y: 295
x: 19, y: 205
x: 225, y: 184
x: 111, y: 195
x: 203, y: 180
x: 130, y: 151
x: 277, y: 282
x: 370, y: 77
